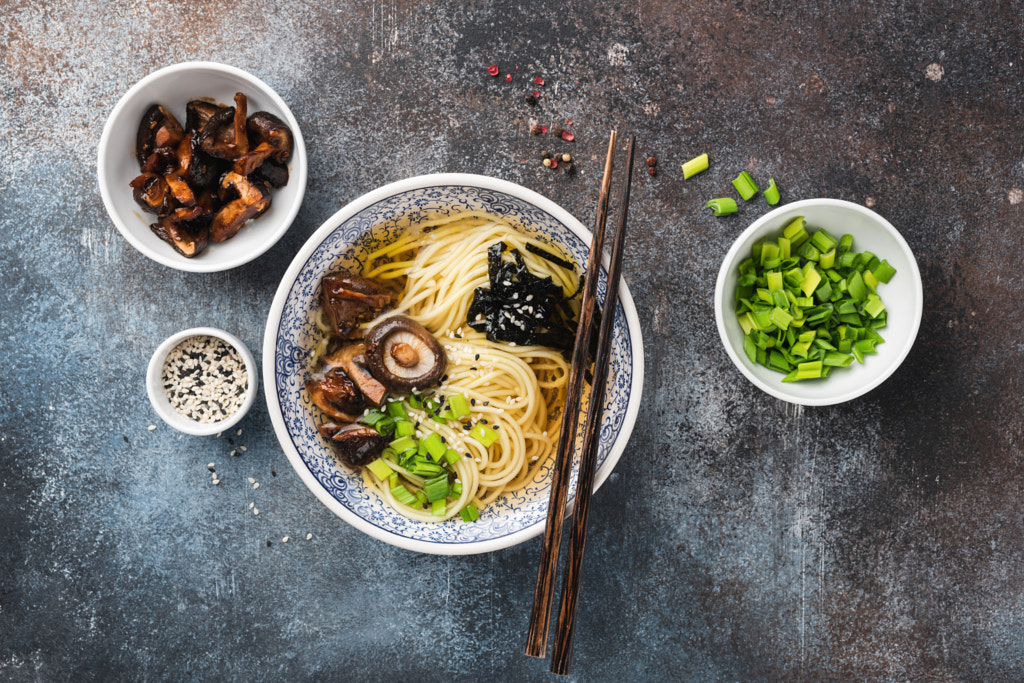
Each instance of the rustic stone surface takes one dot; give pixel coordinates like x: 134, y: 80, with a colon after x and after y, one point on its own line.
x: 739, y: 539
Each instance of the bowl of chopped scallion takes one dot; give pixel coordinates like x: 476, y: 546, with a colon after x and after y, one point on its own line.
x: 819, y: 301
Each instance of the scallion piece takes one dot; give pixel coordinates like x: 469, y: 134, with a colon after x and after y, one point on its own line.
x: 771, y: 193
x: 396, y: 409
x: 404, y: 428
x: 406, y: 443
x: 436, y: 488
x: 373, y: 417
x: 434, y: 445
x: 402, y: 495
x: 437, y: 508
x: 380, y: 469
x: 485, y: 436
x: 469, y: 513
x: 722, y: 206
x: 745, y: 185
x: 884, y: 272
x: 452, y: 456
x: 459, y: 406
x: 695, y: 166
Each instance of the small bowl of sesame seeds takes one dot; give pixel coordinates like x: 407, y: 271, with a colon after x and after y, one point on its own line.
x: 201, y: 381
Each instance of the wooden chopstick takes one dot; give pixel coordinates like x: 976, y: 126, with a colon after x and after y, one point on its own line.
x: 561, y: 651
x: 540, y: 615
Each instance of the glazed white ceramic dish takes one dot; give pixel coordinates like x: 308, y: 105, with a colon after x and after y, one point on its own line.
x: 162, y: 405
x: 903, y: 297
x: 342, y: 241
x: 173, y: 87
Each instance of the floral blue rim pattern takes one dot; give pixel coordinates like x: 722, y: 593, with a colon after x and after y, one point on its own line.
x: 346, y: 245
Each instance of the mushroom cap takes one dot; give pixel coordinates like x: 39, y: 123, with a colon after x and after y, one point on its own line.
x: 403, y: 355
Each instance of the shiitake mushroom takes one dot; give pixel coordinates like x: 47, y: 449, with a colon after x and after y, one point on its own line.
x: 403, y: 355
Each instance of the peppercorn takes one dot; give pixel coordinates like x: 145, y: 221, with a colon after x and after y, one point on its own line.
x: 566, y: 158
x: 556, y: 131
x: 652, y: 162
x: 545, y: 155
x: 537, y: 129
x: 652, y: 170
x: 531, y: 100
x: 547, y: 162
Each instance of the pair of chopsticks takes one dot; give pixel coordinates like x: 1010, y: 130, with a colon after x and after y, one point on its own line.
x: 537, y: 637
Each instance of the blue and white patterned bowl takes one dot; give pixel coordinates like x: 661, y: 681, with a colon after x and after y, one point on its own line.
x: 291, y: 334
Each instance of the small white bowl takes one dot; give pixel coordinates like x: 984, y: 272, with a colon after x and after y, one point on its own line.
x: 162, y: 405
x: 173, y: 87
x: 903, y: 297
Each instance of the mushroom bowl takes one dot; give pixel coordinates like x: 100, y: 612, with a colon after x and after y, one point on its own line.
x: 292, y: 335
x: 245, y: 197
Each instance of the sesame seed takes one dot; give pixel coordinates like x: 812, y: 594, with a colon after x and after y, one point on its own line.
x: 251, y: 480
x: 285, y: 539
x: 238, y: 433
x: 234, y: 452
x: 309, y: 536
x: 242, y: 448
x: 205, y: 379
x: 257, y: 484
x: 252, y: 505
x: 151, y: 427
x: 255, y: 511
x: 216, y: 481
x: 210, y: 466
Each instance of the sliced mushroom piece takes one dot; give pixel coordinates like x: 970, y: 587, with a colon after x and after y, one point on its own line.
x: 274, y: 173
x: 337, y: 395
x: 253, y: 200
x: 403, y: 355
x: 355, y: 444
x: 269, y: 138
x: 152, y: 193
x: 162, y: 160
x: 175, y: 229
x: 198, y: 113
x: 349, y: 300
x: 218, y: 137
x: 158, y: 128
x: 352, y: 359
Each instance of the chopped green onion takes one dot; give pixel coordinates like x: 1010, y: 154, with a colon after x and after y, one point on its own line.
x: 695, y: 166
x: 452, y: 456
x: 402, y: 494
x: 436, y: 488
x: 459, y: 406
x: 469, y: 513
x: 485, y: 436
x: 404, y: 428
x: 745, y: 185
x: 771, y: 193
x: 373, y: 417
x: 380, y: 469
x: 434, y: 445
x: 884, y: 272
x: 722, y: 206
x: 437, y: 508
x: 396, y: 409
x: 406, y: 443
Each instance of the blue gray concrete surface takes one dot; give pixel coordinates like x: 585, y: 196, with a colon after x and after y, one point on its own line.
x: 739, y: 539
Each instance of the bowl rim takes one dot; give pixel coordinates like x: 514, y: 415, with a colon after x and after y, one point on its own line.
x: 170, y: 258
x: 270, y: 344
x: 158, y: 398
x: 725, y: 272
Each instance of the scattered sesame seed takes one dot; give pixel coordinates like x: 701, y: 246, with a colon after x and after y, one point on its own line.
x: 238, y: 433
x: 257, y: 484
x: 242, y: 448
x: 234, y: 452
x: 218, y: 434
x: 252, y: 505
x: 210, y: 466
x: 251, y: 480
x: 151, y: 427
x: 285, y: 539
x: 255, y: 511
x: 216, y: 481
x: 309, y: 536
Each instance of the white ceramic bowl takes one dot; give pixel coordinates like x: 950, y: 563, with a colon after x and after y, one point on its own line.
x: 162, y: 405
x: 173, y: 87
x: 903, y: 298
x: 291, y: 334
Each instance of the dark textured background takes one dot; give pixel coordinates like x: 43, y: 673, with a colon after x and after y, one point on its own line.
x: 740, y: 538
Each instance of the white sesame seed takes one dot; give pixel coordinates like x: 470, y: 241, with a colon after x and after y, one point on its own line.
x: 210, y: 465
x: 151, y: 427
x: 251, y: 480
x: 242, y: 448
x: 285, y: 539
x: 252, y: 505
x: 216, y: 481
x: 238, y: 433
x: 309, y: 536
x: 255, y: 511
x: 256, y: 485
x: 218, y: 434
x: 234, y: 452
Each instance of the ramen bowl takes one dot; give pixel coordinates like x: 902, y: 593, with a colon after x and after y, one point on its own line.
x: 344, y: 241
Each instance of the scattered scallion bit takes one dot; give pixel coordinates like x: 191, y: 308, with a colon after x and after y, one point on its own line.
x: 469, y: 513
x: 695, y: 166
x: 745, y: 185
x: 808, y: 304
x: 722, y: 206
x: 771, y: 193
